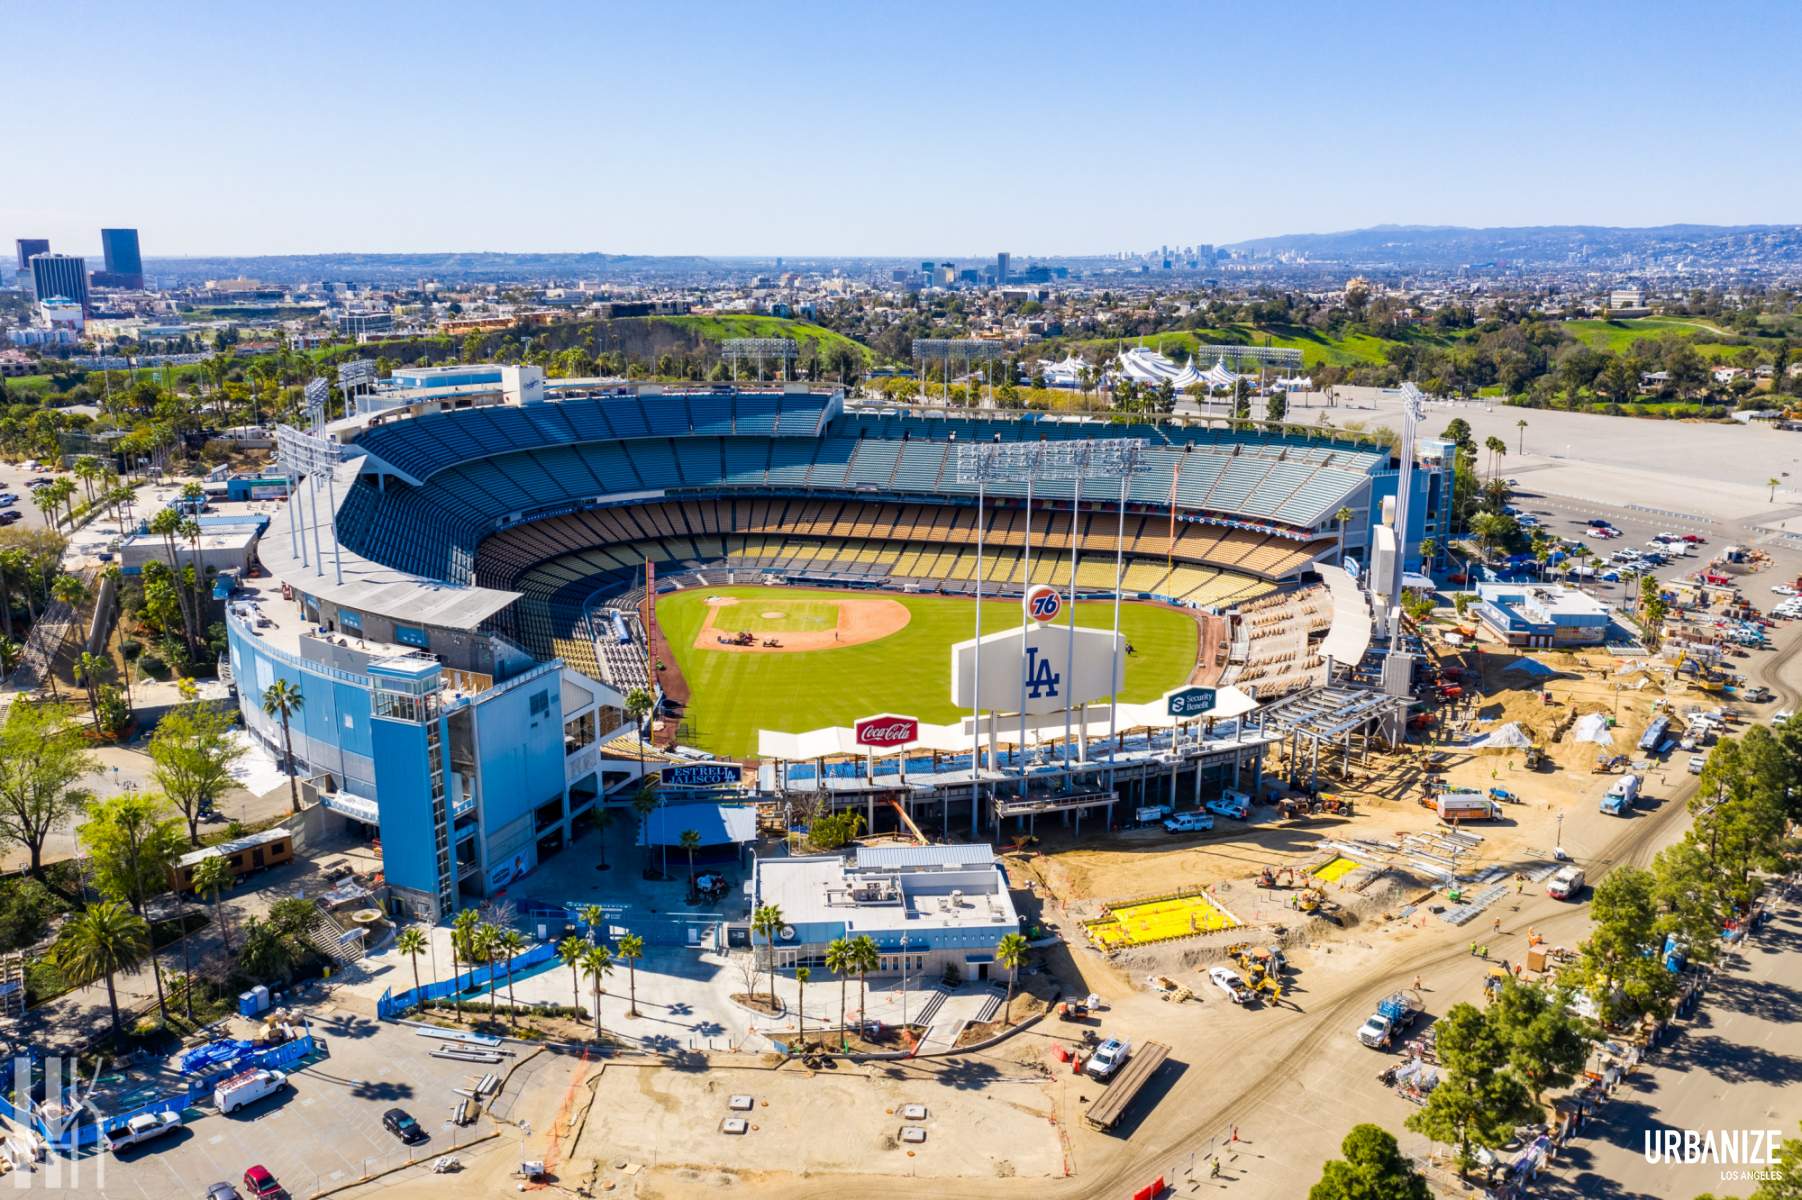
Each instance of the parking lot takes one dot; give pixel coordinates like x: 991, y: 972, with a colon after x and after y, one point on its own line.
x: 322, y: 1132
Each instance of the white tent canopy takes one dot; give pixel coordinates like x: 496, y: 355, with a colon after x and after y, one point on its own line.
x: 1593, y: 727
x: 1506, y: 737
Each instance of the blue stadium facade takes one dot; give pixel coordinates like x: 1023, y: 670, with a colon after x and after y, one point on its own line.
x: 445, y: 559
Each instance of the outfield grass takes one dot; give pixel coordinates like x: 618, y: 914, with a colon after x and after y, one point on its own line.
x: 792, y: 616
x: 732, y: 696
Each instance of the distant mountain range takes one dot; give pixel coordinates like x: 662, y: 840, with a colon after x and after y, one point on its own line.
x: 1540, y: 246
x: 402, y: 269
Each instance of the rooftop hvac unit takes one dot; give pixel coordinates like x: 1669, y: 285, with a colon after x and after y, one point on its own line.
x: 957, y: 898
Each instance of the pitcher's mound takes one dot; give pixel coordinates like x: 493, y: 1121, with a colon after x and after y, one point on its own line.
x: 860, y: 619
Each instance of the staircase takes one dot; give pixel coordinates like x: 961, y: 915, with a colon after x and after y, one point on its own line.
x: 326, y: 935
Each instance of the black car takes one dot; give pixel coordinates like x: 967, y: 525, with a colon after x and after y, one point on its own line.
x: 402, y: 1126
x: 11, y: 515
x: 222, y: 1191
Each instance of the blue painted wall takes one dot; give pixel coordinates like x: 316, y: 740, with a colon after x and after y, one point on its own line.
x: 519, y: 750
x: 409, y: 858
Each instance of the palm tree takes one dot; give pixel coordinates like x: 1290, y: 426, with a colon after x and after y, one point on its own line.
x: 283, y: 699
x: 841, y: 962
x: 597, y: 964
x: 691, y: 841
x: 592, y: 916
x: 1342, y: 516
x: 212, y: 875
x: 90, y: 671
x: 1772, y: 484
x: 1522, y: 426
x: 412, y: 943
x: 484, y: 945
x: 47, y: 503
x: 98, y: 944
x: 511, y: 942
x: 603, y: 819
x: 1429, y: 550
x: 802, y: 975
x: 865, y: 958
x: 767, y: 920
x: 570, y: 951
x: 1010, y: 952
x: 166, y: 524
x: 645, y: 802
x: 631, y: 948
x: 463, y: 931
x: 1496, y: 446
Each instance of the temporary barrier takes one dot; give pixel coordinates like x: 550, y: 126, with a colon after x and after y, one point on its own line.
x: 390, y: 1006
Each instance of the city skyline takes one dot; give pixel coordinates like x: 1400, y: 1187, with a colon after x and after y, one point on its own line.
x: 874, y: 138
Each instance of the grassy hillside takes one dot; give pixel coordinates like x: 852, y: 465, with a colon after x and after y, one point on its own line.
x: 717, y: 329
x: 1318, y: 349
x: 1709, y: 339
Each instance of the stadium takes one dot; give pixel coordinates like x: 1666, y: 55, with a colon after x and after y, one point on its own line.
x: 477, y: 566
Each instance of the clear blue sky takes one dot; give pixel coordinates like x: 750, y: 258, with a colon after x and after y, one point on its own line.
x: 881, y: 128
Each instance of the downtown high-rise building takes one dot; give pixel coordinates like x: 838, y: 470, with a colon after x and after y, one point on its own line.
x: 124, y: 265
x: 29, y: 248
x: 1002, y: 264
x: 60, y: 275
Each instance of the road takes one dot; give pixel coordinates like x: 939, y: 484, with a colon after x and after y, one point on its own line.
x: 1292, y: 1082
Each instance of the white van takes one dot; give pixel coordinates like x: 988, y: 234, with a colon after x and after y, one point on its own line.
x: 1567, y: 884
x: 246, y: 1088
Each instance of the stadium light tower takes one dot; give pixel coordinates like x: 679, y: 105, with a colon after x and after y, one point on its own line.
x: 1073, y: 461
x: 759, y: 350
x: 971, y: 350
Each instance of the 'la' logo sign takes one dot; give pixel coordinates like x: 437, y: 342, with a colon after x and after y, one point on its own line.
x: 1041, y: 680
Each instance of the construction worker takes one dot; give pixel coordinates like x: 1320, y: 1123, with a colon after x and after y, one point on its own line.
x: 1417, y: 983
x: 1498, y: 925
x: 1213, y: 1168
x: 1484, y: 952
x: 1473, y: 949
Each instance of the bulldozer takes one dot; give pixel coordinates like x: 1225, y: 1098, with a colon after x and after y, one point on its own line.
x: 1260, y: 964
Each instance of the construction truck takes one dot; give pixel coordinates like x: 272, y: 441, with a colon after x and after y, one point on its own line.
x: 1275, y: 877
x: 1535, y: 758
x: 1392, y: 1018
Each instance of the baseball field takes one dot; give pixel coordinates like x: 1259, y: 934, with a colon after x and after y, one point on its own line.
x: 842, y: 655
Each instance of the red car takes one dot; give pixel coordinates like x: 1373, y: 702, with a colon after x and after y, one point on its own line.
x: 262, y: 1185
x: 1694, y: 539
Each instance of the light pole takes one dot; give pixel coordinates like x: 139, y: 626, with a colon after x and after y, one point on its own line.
x: 904, y: 980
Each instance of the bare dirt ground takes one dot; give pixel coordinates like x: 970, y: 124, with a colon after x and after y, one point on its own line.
x: 860, y: 619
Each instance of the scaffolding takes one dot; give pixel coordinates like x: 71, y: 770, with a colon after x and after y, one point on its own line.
x: 1341, y: 716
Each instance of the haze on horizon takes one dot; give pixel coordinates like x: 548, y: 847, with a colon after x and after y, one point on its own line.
x: 811, y: 129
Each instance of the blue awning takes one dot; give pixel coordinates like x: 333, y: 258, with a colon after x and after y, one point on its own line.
x: 718, y: 824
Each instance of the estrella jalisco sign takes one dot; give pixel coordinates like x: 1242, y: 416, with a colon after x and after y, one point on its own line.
x: 701, y: 775
x: 1190, y: 702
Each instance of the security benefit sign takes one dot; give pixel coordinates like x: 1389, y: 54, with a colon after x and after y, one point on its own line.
x: 1189, y: 702
x: 1038, y: 665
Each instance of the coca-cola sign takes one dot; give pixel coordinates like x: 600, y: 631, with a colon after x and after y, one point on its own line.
x: 887, y: 731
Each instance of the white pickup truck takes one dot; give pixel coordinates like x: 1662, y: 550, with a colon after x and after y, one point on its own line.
x: 142, y: 1128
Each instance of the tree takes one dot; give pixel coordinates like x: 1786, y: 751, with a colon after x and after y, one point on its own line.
x: 166, y: 524
x: 1010, y: 952
x: 282, y: 700
x: 1522, y: 426
x: 411, y: 942
x: 1546, y: 1043
x: 572, y: 950
x: 841, y: 962
x: 802, y: 975
x: 1652, y: 609
x: 1276, y: 407
x: 134, y: 841
x: 1373, y: 1168
x: 267, y: 953
x: 212, y: 875
x: 1476, y: 1103
x: 602, y: 819
x: 1613, y: 965
x: 509, y: 943
x: 1772, y: 483
x: 691, y: 841
x: 463, y: 932
x: 1458, y: 430
x: 99, y: 943
x: 631, y: 949
x: 645, y: 801
x: 767, y: 920
x: 90, y: 671
x: 191, y: 755
x: 866, y: 958
x: 42, y: 765
x: 597, y: 964
x: 484, y: 949
x: 1343, y: 516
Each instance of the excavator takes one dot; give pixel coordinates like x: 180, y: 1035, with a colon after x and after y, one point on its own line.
x: 1702, y: 677
x: 1276, y: 878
